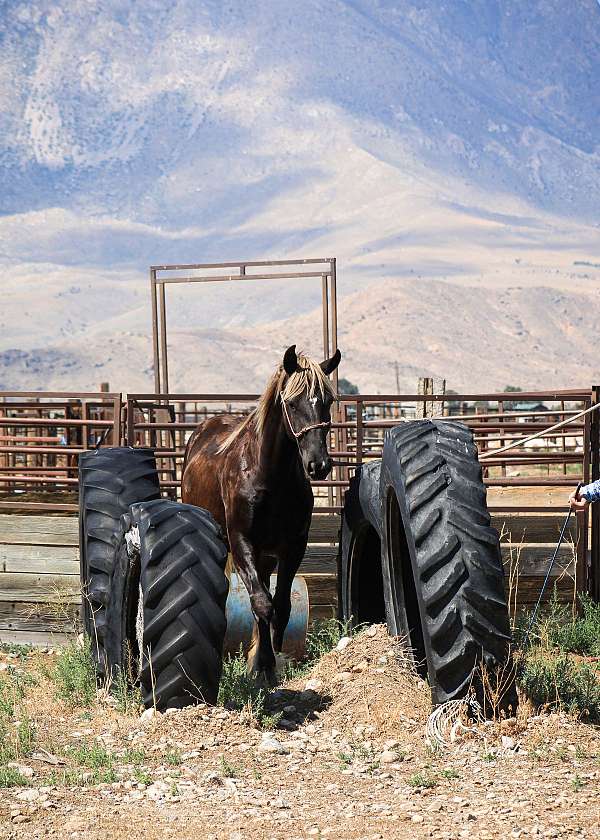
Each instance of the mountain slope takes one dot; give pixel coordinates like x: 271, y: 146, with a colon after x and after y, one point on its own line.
x: 452, y: 141
x: 475, y: 339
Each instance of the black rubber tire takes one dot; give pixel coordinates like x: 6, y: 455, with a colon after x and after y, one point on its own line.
x: 179, y: 570
x: 360, y: 584
x: 442, y: 568
x: 110, y: 480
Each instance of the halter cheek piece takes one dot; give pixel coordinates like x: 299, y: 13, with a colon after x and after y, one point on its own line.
x: 305, y: 429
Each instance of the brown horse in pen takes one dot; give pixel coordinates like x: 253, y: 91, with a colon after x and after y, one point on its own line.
x: 253, y: 476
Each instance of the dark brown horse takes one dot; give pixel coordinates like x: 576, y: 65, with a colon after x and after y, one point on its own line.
x: 253, y: 476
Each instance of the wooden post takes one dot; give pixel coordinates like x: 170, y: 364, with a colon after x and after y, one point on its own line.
x: 430, y: 408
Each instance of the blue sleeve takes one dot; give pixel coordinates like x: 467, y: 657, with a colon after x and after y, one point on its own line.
x: 591, y: 492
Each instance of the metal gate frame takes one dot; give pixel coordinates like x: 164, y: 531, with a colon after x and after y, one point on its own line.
x: 323, y: 268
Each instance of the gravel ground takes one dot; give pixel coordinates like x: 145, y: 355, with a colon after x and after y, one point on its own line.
x: 349, y: 760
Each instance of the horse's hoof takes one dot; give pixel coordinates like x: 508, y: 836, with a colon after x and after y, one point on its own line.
x: 265, y: 677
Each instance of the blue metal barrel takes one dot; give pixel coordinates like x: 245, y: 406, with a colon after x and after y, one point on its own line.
x: 240, y: 620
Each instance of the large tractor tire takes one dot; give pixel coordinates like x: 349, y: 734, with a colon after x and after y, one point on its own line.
x: 166, y: 619
x: 360, y: 583
x: 442, y: 569
x: 110, y: 480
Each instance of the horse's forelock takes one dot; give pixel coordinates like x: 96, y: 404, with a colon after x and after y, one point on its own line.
x: 309, y: 377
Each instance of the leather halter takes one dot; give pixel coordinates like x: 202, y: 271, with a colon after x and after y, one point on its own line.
x: 305, y: 429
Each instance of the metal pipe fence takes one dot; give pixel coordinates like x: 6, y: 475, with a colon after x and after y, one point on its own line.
x: 41, y: 437
x: 42, y: 434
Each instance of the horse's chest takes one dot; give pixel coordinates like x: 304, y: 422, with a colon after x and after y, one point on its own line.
x: 280, y: 517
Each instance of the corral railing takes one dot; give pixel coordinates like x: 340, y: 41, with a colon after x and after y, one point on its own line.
x: 563, y: 457
x: 42, y: 435
x: 527, y: 481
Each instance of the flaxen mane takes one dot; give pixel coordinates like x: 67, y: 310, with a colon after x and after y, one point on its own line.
x: 309, y: 377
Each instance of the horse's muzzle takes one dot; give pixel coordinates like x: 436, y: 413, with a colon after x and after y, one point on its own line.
x: 318, y: 470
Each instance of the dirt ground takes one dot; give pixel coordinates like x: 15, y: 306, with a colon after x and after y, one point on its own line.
x: 349, y: 760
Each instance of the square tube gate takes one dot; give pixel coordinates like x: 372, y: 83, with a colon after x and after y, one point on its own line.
x: 161, y: 275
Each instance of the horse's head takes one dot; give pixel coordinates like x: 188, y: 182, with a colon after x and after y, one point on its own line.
x: 306, y: 400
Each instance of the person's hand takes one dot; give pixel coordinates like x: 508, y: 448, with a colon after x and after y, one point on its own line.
x: 577, y: 502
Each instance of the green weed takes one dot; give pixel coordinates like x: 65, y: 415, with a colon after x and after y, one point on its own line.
x: 17, y: 732
x: 324, y: 635
x: 20, y: 651
x: 129, y: 699
x: 173, y: 758
x: 10, y: 777
x: 75, y: 675
x: 93, y: 756
x: 422, y: 780
x: 71, y: 777
x: 577, y: 784
x: 142, y: 776
x: 228, y: 770
x: 560, y: 682
x: 557, y: 627
x: 135, y: 756
x: 239, y: 690
x: 361, y: 754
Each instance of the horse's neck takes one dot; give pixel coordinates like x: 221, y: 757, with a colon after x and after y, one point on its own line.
x: 278, y: 455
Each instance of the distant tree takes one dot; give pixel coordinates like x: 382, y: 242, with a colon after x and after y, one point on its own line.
x: 347, y: 387
x: 511, y: 389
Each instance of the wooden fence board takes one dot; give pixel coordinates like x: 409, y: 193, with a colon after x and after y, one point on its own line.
x: 48, y: 559
x: 41, y: 588
x: 36, y: 639
x: 38, y: 617
x: 39, y: 530
x: 531, y: 528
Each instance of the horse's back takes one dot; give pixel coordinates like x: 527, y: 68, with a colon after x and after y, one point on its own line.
x: 200, y: 484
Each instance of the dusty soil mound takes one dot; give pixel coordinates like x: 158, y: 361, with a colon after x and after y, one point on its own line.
x: 369, y: 681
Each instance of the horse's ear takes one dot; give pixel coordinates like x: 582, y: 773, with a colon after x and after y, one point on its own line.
x: 290, y: 360
x: 329, y: 365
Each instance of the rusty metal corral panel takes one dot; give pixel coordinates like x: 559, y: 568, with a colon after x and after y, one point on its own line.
x: 41, y: 436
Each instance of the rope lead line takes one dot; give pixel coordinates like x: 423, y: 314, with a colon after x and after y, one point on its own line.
x: 492, y: 453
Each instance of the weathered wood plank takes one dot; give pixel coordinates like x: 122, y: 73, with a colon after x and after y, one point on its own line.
x: 36, y: 639
x: 532, y: 527
x: 529, y: 588
x: 535, y: 559
x: 322, y: 588
x: 321, y: 612
x: 39, y: 530
x: 532, y: 559
x: 555, y: 497
x: 324, y: 528
x: 39, y: 588
x: 42, y: 559
x: 39, y: 617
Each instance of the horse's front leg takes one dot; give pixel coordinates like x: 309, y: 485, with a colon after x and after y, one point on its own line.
x: 261, y: 659
x: 289, y: 562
